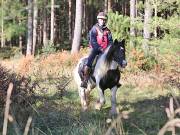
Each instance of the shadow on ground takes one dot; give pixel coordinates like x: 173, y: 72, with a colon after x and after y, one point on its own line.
x: 147, y: 117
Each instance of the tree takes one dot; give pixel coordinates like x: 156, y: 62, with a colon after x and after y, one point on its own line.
x: 20, y: 38
x: 12, y: 24
x: 58, y: 25
x: 35, y: 13
x: 84, y: 17
x: 146, y: 29
x: 70, y: 19
x: 78, y: 27
x: 132, y: 19
x: 30, y: 29
x: 106, y: 6
x: 52, y: 21
x: 44, y: 23
x: 2, y: 24
x: 109, y: 5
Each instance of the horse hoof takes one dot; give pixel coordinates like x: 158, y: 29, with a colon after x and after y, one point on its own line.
x: 98, y: 106
x: 84, y: 109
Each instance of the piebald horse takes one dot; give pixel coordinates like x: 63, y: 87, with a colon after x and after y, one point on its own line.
x: 106, y: 75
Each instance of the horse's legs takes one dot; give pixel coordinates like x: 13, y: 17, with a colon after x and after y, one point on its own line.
x: 83, y: 97
x: 87, y: 93
x: 101, y: 101
x: 113, y: 100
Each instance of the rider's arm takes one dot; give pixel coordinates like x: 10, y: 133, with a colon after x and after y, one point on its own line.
x: 93, y: 39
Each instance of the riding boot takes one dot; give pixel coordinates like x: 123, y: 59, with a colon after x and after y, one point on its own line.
x: 86, y: 77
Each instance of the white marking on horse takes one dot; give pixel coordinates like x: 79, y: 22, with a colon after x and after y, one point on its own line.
x: 101, y: 69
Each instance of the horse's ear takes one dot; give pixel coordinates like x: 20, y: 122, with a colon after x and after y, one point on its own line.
x: 115, y: 42
x: 123, y: 41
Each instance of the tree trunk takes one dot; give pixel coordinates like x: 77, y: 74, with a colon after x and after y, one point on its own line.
x: 20, y: 38
x: 35, y: 25
x: 70, y: 20
x: 2, y: 24
x: 136, y: 8
x: 45, y: 24
x: 52, y: 21
x: 84, y: 18
x: 106, y: 6
x: 30, y: 29
x: 132, y: 20
x: 40, y: 33
x: 123, y: 7
x: 20, y: 42
x: 109, y: 5
x: 146, y: 32
x: 155, y: 15
x: 78, y: 27
x: 73, y: 18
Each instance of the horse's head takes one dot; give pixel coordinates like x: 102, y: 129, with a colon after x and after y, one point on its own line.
x: 118, y: 53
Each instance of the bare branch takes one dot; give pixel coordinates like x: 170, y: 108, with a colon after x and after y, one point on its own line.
x: 6, y: 113
x: 27, y: 125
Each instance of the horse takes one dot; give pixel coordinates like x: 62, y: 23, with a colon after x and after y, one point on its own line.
x: 106, y: 75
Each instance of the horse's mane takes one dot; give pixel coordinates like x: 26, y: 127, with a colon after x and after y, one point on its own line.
x: 104, y: 61
x: 109, y: 55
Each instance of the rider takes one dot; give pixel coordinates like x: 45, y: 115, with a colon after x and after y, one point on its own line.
x: 100, y: 39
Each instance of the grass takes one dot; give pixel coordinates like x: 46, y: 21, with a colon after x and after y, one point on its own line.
x: 56, y: 109
x: 147, y: 113
x: 54, y: 115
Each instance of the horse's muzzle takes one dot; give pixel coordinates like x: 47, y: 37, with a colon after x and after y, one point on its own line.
x: 124, y: 64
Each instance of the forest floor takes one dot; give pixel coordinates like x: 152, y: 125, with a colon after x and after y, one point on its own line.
x: 54, y: 103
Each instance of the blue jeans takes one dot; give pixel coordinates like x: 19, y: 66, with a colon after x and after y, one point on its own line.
x: 92, y: 56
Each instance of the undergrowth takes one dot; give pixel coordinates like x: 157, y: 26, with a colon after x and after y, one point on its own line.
x: 55, y: 106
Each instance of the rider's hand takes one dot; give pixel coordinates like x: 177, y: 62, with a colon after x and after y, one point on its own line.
x: 101, y: 49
